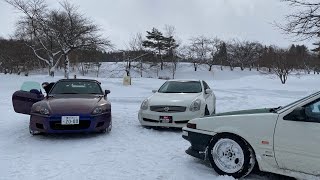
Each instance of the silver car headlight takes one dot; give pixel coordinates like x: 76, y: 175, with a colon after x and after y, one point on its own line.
x: 100, y: 110
x: 41, y: 110
x: 144, y: 104
x: 195, y: 105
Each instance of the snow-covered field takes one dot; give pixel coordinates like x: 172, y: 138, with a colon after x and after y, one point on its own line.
x: 130, y: 151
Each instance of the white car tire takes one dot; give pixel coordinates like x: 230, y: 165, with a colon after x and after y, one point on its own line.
x: 230, y: 155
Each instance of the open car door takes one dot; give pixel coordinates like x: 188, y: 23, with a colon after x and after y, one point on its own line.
x: 23, y: 99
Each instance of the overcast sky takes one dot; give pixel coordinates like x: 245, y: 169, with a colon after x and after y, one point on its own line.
x: 226, y: 19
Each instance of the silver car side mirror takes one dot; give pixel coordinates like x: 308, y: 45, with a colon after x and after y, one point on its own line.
x: 209, y: 91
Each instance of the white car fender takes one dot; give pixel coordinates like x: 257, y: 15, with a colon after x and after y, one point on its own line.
x: 259, y: 134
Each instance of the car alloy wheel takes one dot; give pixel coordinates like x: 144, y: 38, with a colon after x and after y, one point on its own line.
x: 230, y: 155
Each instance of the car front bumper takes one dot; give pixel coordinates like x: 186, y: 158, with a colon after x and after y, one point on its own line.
x: 179, y: 119
x: 199, y: 143
x: 52, y: 124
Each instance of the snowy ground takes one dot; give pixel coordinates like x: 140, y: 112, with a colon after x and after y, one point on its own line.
x: 130, y: 151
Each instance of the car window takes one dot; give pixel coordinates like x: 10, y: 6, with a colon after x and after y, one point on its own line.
x: 181, y: 87
x: 313, y: 111
x: 30, y: 85
x: 76, y: 87
x: 206, y: 86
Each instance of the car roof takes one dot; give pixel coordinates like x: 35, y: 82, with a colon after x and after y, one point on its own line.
x: 77, y: 80
x: 184, y: 80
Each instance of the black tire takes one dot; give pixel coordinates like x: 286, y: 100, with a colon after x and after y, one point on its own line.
x: 206, y: 111
x: 103, y: 131
x: 249, y: 159
x: 108, y: 129
x: 214, y: 112
x: 34, y: 133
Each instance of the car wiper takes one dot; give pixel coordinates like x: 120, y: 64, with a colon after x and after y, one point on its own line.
x: 275, y: 109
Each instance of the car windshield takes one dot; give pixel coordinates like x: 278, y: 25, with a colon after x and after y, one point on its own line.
x: 30, y: 85
x: 76, y: 87
x: 181, y: 87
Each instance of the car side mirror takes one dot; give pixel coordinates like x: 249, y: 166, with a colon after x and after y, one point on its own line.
x: 209, y: 91
x: 154, y: 91
x: 298, y: 114
x: 106, y: 92
x: 35, y: 91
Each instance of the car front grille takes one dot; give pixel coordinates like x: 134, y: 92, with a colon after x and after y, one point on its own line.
x: 83, y: 124
x: 168, y: 109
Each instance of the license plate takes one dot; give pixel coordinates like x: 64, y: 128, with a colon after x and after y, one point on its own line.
x: 166, y: 119
x: 69, y: 120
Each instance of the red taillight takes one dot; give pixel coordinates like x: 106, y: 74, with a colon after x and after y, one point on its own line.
x: 192, y: 126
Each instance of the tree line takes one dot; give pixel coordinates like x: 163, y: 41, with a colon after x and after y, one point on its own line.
x: 55, y: 38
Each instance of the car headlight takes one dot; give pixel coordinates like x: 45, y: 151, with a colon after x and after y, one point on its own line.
x: 144, y: 104
x: 99, y: 110
x: 195, y: 105
x: 41, y: 110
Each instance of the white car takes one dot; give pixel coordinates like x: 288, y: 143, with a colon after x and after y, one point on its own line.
x: 283, y: 140
x: 176, y: 102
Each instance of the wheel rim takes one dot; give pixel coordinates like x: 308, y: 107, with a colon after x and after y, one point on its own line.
x: 228, y: 155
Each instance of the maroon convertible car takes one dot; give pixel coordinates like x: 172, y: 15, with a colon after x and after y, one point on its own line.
x: 70, y: 106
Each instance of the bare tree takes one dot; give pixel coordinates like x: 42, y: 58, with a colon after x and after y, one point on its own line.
x: 214, y: 48
x: 57, y: 32
x: 245, y: 53
x: 304, y: 21
x: 281, y: 65
x: 74, y: 31
x: 137, y: 49
x: 279, y: 62
x: 33, y: 29
x: 171, y: 47
x: 200, y: 49
x: 187, y: 53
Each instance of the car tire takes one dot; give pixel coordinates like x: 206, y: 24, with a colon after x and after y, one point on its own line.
x: 214, y: 112
x: 206, y: 111
x: 34, y: 133
x: 108, y: 129
x: 230, y: 155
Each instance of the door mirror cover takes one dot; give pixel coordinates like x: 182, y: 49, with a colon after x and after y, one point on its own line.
x: 209, y: 91
x: 106, y: 92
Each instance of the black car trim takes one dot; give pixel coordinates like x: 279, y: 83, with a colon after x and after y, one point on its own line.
x: 199, y: 143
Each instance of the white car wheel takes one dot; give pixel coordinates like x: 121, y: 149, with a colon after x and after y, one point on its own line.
x: 230, y: 155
